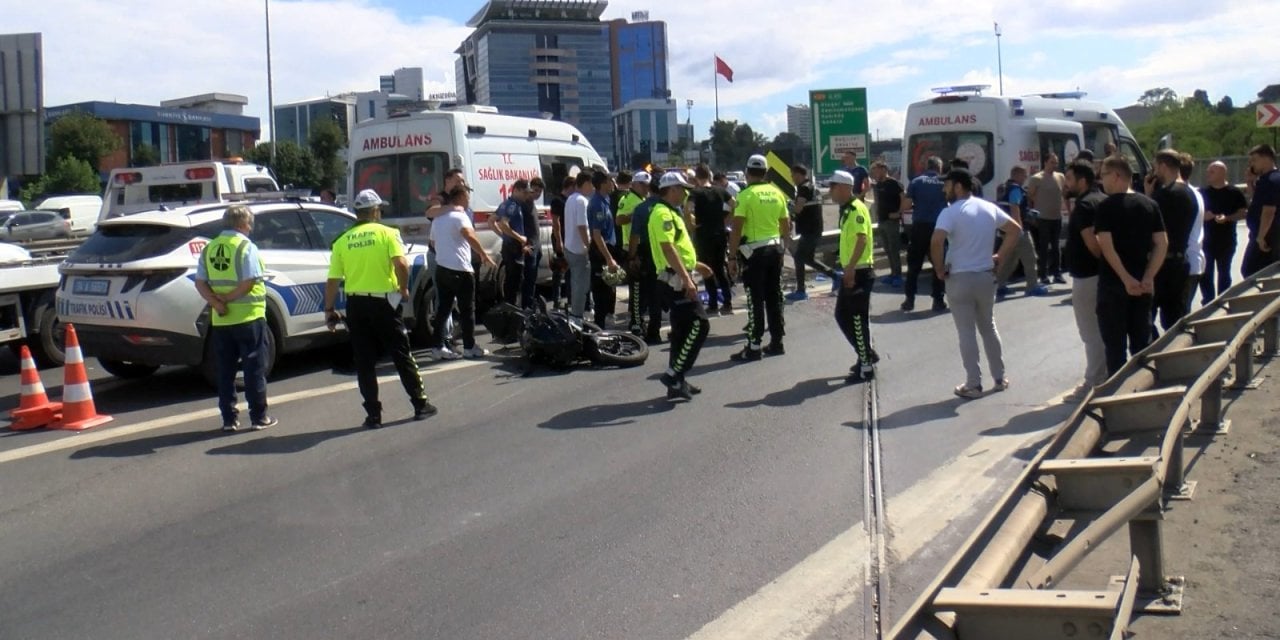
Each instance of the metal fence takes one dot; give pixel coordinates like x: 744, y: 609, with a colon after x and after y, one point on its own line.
x: 1116, y: 464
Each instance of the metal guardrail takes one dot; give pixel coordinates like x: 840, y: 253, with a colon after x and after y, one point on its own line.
x: 43, y: 249
x: 1116, y: 463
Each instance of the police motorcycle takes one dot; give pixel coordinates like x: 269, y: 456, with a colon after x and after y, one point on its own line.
x: 553, y: 338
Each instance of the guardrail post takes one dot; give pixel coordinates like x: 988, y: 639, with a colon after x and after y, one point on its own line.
x: 1271, y: 337
x: 1211, y: 420
x: 1177, y: 487
x: 1244, y: 366
x: 1156, y: 592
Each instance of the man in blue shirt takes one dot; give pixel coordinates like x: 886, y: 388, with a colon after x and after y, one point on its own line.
x: 509, y: 222
x: 640, y: 261
x: 603, y: 244
x: 1261, y: 217
x: 926, y: 198
x: 860, y: 175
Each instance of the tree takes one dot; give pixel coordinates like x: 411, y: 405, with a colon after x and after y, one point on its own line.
x: 69, y: 175
x: 1270, y: 94
x: 294, y: 166
x: 1160, y: 97
x: 732, y: 143
x: 1225, y: 106
x: 326, y: 143
x: 1200, y: 97
x: 791, y: 148
x: 145, y: 155
x: 1202, y: 131
x: 82, y: 136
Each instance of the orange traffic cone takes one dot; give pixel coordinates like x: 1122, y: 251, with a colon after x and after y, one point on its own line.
x: 34, y: 409
x: 78, y: 412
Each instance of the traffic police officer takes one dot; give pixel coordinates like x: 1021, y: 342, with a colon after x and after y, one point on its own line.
x: 853, y: 303
x: 368, y: 261
x: 675, y: 260
x: 760, y: 222
x: 627, y: 206
x: 230, y: 277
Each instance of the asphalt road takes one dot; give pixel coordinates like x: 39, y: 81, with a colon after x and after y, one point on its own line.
x: 574, y: 505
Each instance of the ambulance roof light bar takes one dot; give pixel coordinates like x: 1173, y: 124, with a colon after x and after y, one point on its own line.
x: 975, y: 89
x: 1061, y: 95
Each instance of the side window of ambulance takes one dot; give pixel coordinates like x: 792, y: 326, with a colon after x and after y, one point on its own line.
x: 554, y: 170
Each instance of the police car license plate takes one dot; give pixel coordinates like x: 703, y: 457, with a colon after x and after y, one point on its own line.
x: 91, y: 286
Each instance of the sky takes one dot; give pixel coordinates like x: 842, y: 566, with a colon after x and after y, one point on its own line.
x: 145, y: 51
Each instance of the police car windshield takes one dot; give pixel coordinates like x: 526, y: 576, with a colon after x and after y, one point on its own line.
x: 129, y: 242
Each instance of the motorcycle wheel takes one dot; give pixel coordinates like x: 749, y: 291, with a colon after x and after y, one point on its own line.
x: 616, y: 348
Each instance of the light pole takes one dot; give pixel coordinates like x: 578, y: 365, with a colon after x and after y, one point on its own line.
x: 271, y: 102
x: 999, y: 59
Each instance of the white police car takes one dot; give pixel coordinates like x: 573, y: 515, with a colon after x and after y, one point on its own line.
x: 130, y: 288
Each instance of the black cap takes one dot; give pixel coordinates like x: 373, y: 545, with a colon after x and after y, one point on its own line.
x: 960, y: 176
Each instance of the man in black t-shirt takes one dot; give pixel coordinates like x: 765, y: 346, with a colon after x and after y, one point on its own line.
x: 807, y: 213
x: 1224, y: 206
x: 1082, y: 263
x: 711, y: 205
x: 1132, y: 244
x: 559, y: 267
x: 1178, y: 208
x: 888, y: 194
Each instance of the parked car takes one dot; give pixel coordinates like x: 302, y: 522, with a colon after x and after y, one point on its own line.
x: 25, y: 226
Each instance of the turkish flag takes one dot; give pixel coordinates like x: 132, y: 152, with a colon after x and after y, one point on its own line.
x: 723, y: 69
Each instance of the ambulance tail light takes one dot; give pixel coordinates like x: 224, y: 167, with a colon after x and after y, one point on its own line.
x: 131, y: 177
x: 200, y: 173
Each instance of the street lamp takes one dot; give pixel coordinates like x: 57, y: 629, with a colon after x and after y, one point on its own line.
x: 999, y: 58
x: 271, y: 103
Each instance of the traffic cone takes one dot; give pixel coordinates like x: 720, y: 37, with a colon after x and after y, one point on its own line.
x: 34, y: 409
x: 78, y: 412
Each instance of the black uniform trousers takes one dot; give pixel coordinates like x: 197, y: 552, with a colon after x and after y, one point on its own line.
x: 1048, y: 253
x: 853, y: 313
x: 603, y: 296
x: 512, y: 272
x: 712, y: 251
x: 1170, y: 300
x: 917, y: 251
x: 645, y: 305
x: 806, y: 255
x: 1125, y: 323
x: 376, y: 329
x: 762, y: 278
x: 689, y: 329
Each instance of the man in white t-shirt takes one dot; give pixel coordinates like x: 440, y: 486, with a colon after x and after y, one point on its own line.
x: 454, y: 238
x: 1195, y: 242
x: 969, y: 224
x: 577, y: 239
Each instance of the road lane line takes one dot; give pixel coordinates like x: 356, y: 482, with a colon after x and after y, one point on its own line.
x: 91, y: 437
x: 827, y: 583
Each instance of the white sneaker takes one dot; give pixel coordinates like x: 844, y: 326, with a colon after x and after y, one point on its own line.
x: 444, y: 353
x: 475, y: 352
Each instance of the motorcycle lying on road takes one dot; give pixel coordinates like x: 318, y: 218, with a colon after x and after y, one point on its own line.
x: 553, y: 338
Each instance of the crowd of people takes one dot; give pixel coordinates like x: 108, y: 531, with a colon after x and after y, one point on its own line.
x: 1136, y: 260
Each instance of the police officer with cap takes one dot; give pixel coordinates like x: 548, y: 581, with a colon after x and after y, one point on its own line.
x: 853, y: 303
x: 368, y: 261
x: 676, y: 260
x: 760, y: 222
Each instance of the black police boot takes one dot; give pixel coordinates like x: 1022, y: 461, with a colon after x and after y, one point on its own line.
x: 423, y: 410
x: 747, y: 354
x: 775, y: 349
x: 373, y: 415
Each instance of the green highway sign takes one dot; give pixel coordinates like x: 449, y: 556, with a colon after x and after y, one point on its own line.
x: 839, y: 125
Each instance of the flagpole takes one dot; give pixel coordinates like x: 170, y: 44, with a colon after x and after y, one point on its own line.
x: 715, y: 74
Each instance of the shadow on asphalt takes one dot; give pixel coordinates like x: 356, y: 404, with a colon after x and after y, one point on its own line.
x: 291, y: 443
x: 898, y: 316
x: 796, y: 395
x: 612, y: 415
x: 1032, y: 421
x: 149, y: 445
x: 922, y: 413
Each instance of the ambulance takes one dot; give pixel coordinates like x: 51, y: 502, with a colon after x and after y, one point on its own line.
x: 997, y: 133
x: 404, y: 157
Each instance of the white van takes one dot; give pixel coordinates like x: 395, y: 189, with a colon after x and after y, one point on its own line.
x: 80, y: 210
x: 404, y: 158
x: 996, y: 133
x: 173, y: 185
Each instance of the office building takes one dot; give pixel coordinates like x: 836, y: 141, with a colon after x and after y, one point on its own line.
x: 406, y: 81
x: 638, y: 59
x: 644, y: 131
x: 800, y: 122
x: 293, y: 120
x: 543, y: 59
x: 177, y: 133
x: 21, y: 106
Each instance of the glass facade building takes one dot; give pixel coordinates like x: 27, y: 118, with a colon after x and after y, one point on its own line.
x: 639, y: 61
x: 293, y: 121
x: 644, y: 131
x: 527, y: 60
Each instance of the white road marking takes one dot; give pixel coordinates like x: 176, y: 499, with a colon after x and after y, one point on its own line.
x: 828, y: 582
x: 89, y: 437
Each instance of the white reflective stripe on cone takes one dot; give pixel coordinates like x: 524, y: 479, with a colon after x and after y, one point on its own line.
x: 28, y: 363
x: 31, y: 389
x: 73, y: 356
x: 76, y: 393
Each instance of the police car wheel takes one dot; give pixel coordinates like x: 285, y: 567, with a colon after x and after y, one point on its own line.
x: 127, y: 370
x: 47, y: 343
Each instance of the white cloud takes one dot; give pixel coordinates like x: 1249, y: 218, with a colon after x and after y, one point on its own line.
x: 771, y: 124
x: 884, y: 124
x: 887, y: 74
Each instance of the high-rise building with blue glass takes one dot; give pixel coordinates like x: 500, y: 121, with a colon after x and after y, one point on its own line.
x: 542, y: 58
x: 639, y: 60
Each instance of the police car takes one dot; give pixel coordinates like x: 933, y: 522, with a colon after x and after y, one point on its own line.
x: 130, y: 288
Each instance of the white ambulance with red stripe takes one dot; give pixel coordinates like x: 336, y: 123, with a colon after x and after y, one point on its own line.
x: 404, y: 158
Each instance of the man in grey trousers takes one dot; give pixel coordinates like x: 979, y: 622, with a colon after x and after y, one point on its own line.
x: 964, y: 233
x: 1082, y: 262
